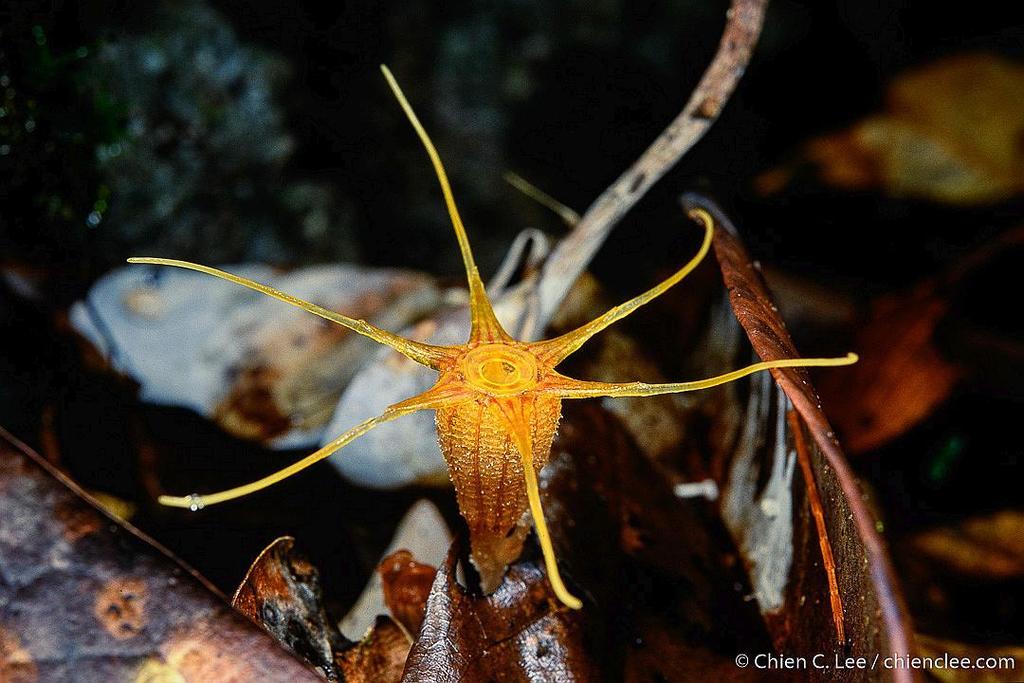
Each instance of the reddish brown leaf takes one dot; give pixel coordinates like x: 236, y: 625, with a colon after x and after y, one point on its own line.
x: 878, y: 622
x: 85, y: 597
x: 903, y: 374
x: 281, y: 592
x: 406, y: 585
x: 422, y: 530
x: 901, y: 377
x: 818, y: 512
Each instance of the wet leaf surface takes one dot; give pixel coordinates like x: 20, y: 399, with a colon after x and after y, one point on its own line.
x: 83, y: 597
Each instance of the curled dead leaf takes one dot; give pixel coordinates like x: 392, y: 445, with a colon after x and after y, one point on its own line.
x: 915, y: 348
x: 379, y: 657
x: 406, y: 584
x: 423, y: 532
x: 281, y: 592
x: 865, y: 575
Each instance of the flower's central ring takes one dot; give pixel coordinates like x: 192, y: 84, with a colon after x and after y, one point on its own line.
x: 499, y: 369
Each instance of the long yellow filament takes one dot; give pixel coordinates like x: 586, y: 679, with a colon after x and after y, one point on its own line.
x: 537, y: 511
x: 557, y: 349
x: 518, y: 416
x: 485, y: 324
x: 426, y: 354
x: 568, y: 216
x: 196, y: 501
x: 566, y: 387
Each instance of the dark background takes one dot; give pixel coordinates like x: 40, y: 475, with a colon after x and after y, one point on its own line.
x: 300, y: 155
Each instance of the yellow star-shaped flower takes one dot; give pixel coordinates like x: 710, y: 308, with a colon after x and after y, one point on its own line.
x: 497, y: 401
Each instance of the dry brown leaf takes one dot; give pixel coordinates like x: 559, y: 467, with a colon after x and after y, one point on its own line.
x: 87, y: 597
x: 901, y: 377
x: 905, y: 372
x: 519, y: 633
x: 990, y: 547
x: 281, y: 592
x: 379, y: 657
x: 950, y: 133
x: 876, y: 616
x: 422, y: 532
x: 406, y: 585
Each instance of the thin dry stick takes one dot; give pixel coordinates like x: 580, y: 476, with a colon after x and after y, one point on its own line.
x: 571, y: 256
x: 803, y: 455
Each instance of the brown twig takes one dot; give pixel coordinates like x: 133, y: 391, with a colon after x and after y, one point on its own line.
x: 803, y: 456
x: 571, y: 256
